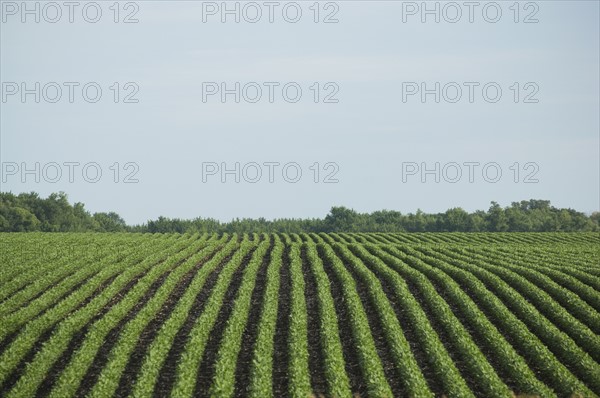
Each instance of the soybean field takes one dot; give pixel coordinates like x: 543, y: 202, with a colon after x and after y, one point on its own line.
x: 300, y: 315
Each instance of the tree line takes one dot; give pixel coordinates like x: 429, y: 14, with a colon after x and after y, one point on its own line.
x: 28, y: 212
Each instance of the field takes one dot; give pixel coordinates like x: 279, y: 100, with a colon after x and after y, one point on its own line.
x: 336, y: 315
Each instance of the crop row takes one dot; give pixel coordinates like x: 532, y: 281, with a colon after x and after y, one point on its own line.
x: 459, y: 315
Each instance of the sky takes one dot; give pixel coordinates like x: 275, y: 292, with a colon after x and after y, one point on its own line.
x: 153, y: 108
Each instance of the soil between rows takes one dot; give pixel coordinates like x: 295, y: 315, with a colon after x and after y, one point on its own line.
x: 244, y: 360
x: 315, y: 348
x: 167, y: 375
x: 206, y: 370
x: 357, y: 384
x: 111, y: 339
x: 146, y: 338
x: 392, y: 374
x: 280, y: 349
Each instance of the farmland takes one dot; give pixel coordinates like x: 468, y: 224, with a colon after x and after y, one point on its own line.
x: 271, y: 315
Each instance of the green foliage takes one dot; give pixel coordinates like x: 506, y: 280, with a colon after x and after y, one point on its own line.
x: 29, y: 213
x: 261, y: 379
x: 496, y: 314
x: 110, y: 222
x: 189, y: 363
x: 298, y: 340
x: 370, y: 364
x: 224, y: 385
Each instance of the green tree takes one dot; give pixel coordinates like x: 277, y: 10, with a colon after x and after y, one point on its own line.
x: 22, y: 220
x: 341, y: 219
x: 110, y: 222
x: 496, y: 219
x: 456, y: 220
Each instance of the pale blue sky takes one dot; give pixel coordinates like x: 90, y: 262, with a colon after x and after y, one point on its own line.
x: 369, y: 133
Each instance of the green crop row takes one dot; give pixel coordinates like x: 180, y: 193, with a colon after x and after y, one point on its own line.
x: 414, y: 314
x: 370, y: 363
x: 405, y: 362
x: 94, y: 338
x: 225, y: 367
x: 299, y: 377
x: 187, y: 369
x: 69, y: 311
x: 528, y: 343
x: 54, y: 286
x: 109, y: 377
x: 544, y: 303
x: 261, y: 379
x: 159, y: 348
x: 30, y: 276
x: 517, y: 310
x: 486, y: 333
x: 104, y: 269
x: 333, y: 357
x: 558, y: 280
x: 476, y: 364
